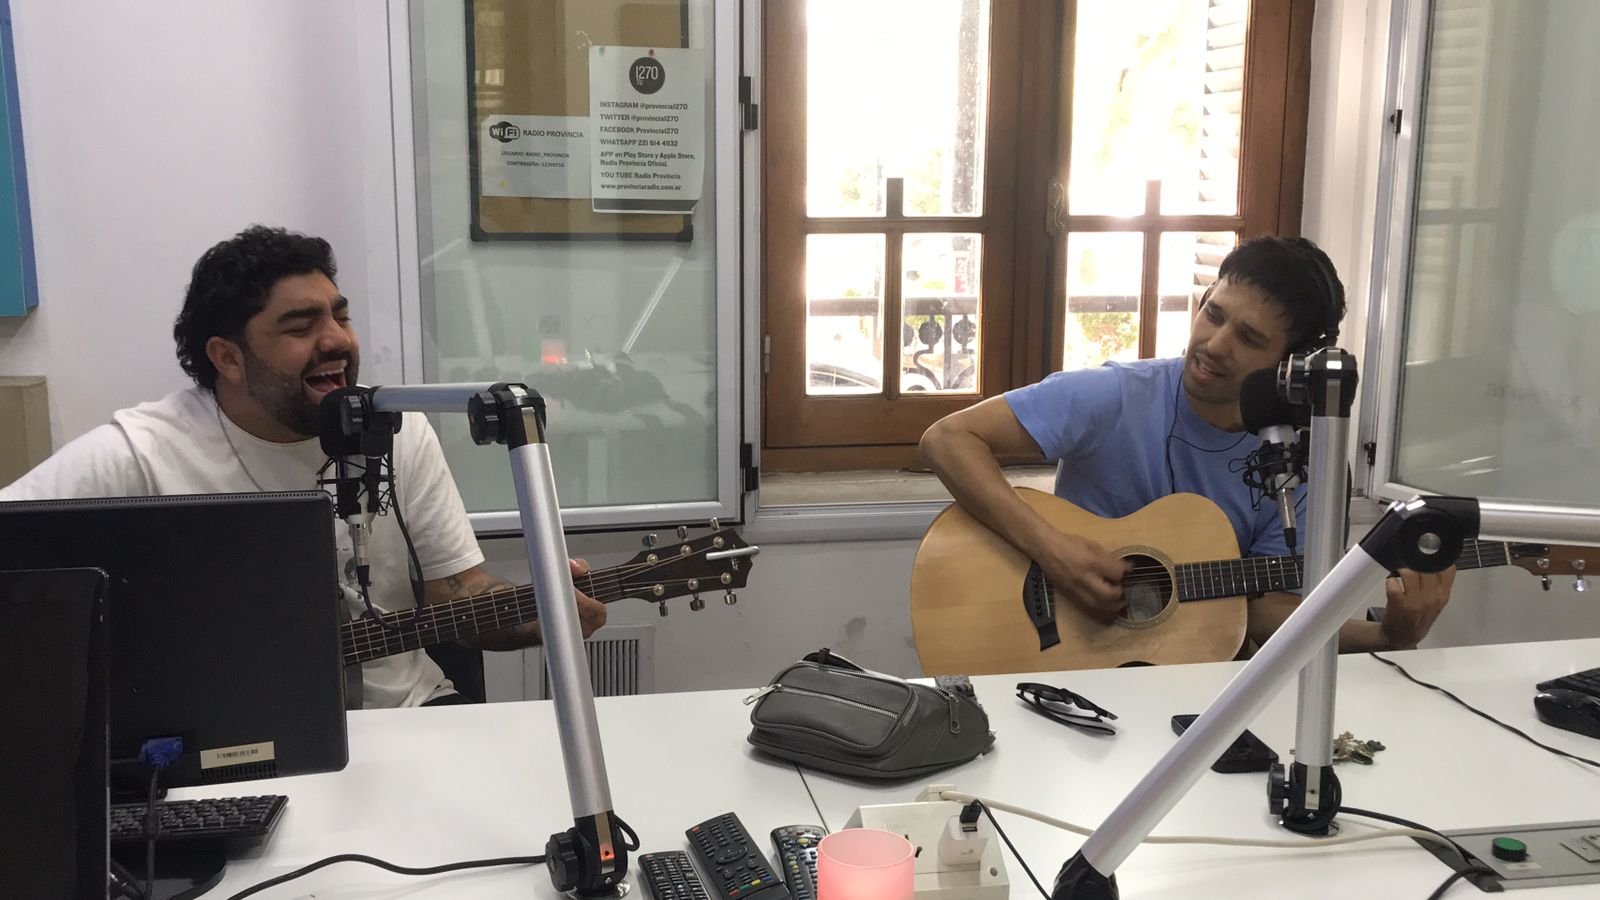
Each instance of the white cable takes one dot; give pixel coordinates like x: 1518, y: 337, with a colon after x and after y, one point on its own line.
x: 1307, y: 844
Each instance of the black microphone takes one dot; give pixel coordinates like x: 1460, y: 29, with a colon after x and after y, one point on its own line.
x: 348, y: 426
x: 1274, y: 467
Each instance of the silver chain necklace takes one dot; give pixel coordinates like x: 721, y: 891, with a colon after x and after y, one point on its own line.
x: 229, y: 438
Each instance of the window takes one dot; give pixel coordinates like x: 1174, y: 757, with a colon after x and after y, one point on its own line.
x: 1481, y: 365
x: 629, y: 338
x: 961, y: 196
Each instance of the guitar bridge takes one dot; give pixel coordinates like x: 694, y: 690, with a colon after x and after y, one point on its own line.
x: 1040, y: 606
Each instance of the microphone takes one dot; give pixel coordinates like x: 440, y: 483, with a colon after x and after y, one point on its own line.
x: 348, y: 427
x: 1275, y: 467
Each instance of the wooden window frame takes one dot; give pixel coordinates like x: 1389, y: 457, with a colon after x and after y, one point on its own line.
x: 1024, y: 229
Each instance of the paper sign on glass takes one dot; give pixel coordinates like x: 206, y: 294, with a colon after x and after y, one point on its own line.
x: 647, y: 108
x: 534, y: 156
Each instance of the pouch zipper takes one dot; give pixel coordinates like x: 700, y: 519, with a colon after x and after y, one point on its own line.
x: 950, y: 702
x: 773, y: 688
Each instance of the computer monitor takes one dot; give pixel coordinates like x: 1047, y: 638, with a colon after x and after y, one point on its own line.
x: 53, y: 718
x: 224, y: 628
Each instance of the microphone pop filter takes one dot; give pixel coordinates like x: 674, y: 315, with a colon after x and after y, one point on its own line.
x: 330, y: 424
x: 1262, y: 406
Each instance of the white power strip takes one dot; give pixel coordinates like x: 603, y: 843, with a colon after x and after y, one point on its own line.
x: 953, y: 862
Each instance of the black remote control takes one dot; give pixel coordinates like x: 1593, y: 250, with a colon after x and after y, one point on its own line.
x: 735, y: 860
x: 797, y: 857
x: 671, y: 876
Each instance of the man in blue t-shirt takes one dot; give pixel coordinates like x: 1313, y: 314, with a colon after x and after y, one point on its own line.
x: 1126, y: 434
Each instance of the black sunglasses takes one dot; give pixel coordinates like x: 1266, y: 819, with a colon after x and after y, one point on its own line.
x: 1057, y: 703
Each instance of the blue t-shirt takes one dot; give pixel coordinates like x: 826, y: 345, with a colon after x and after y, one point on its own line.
x: 1108, y: 428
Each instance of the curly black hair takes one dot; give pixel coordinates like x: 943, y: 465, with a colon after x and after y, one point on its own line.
x: 230, y: 284
x: 1300, y: 277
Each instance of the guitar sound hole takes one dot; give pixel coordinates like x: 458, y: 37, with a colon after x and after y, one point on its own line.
x: 1146, y: 588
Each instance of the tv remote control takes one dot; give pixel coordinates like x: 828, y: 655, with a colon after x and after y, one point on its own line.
x: 735, y: 861
x: 671, y: 876
x: 797, y: 858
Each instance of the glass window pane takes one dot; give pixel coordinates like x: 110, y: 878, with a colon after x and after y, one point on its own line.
x: 1188, y: 266
x: 1104, y: 271
x: 896, y: 89
x: 1502, y: 287
x: 844, y: 319
x: 620, y: 337
x: 1156, y: 96
x: 942, y: 306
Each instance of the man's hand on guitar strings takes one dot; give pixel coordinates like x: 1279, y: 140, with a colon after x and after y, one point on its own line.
x: 1088, y: 574
x: 591, y: 612
x: 1414, y: 602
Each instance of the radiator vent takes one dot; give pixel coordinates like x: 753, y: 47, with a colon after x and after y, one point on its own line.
x: 622, y: 661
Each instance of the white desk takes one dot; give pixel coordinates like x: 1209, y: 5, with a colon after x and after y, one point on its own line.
x: 1444, y: 768
x: 431, y: 786
x: 439, y: 785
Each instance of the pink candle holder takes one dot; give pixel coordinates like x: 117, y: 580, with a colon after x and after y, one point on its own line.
x: 865, y: 864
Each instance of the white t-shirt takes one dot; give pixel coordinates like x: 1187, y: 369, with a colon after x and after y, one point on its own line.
x: 182, y: 444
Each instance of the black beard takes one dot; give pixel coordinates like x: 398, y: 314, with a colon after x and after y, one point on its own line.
x: 284, y: 398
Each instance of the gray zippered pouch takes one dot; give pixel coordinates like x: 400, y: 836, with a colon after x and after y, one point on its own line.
x: 827, y: 713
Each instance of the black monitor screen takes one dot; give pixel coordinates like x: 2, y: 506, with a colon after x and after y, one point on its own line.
x: 224, y: 624
x: 53, y: 753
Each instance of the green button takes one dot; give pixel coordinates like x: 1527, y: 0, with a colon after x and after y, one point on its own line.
x: 1509, y: 849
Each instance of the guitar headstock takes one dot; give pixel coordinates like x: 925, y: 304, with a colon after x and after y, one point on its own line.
x: 719, y: 561
x: 1546, y: 560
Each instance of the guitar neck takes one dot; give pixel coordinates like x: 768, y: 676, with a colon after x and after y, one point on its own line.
x: 1265, y: 574
x: 365, y: 639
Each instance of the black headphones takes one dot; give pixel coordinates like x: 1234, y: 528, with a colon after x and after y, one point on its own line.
x: 1330, y: 308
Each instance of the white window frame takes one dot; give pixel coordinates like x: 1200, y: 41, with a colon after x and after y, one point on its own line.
x: 1391, y: 252
x: 401, y: 322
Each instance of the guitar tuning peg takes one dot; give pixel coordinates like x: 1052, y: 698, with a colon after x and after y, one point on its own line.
x: 650, y: 541
x: 662, y: 609
x: 730, y: 598
x: 696, y: 603
x: 1544, y: 582
x: 1578, y: 585
x: 683, y: 532
x: 716, y: 525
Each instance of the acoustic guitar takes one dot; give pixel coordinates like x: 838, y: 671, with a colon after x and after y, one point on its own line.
x: 979, y: 606
x: 717, y: 562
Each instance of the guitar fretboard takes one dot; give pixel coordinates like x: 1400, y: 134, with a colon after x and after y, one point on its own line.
x: 365, y: 639
x: 1264, y: 574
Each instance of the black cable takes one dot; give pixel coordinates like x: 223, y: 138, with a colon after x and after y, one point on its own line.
x: 123, y: 883
x: 1009, y: 846
x: 814, y: 805
x: 1483, y: 715
x: 1448, y: 882
x: 152, y: 827
x: 411, y: 548
x: 389, y: 866
x: 1466, y: 858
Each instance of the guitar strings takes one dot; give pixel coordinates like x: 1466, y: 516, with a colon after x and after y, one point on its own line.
x: 1190, y: 575
x: 364, y: 638
x: 415, y: 622
x: 1475, y: 547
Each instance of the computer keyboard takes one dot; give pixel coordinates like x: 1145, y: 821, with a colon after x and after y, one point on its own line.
x: 182, y: 820
x: 1585, y: 682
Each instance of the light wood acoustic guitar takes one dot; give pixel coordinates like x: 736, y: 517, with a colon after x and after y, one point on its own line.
x: 979, y: 606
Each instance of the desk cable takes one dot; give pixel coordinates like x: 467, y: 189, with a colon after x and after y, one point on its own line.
x: 1412, y: 830
x: 1292, y: 844
x: 389, y: 866
x: 1483, y: 715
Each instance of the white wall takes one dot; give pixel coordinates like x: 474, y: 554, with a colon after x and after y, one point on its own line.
x: 154, y: 130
